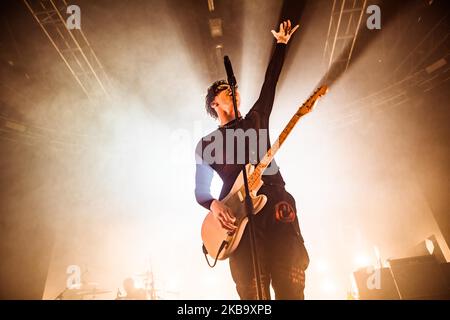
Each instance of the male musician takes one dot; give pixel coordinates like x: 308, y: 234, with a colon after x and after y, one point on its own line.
x: 282, y: 255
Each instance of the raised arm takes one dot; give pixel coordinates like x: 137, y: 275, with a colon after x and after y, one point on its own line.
x: 267, y: 95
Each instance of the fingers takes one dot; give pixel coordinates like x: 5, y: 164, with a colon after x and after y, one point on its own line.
x: 226, y: 219
x: 286, y: 27
x: 295, y: 28
x: 285, y: 31
x: 229, y: 217
x: 226, y: 223
x: 228, y: 226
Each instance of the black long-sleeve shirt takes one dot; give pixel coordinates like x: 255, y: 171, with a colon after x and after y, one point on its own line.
x: 257, y: 118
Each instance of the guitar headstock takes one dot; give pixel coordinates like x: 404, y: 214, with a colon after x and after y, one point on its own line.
x: 311, y: 102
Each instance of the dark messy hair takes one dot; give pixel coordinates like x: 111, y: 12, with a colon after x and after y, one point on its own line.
x: 213, y: 90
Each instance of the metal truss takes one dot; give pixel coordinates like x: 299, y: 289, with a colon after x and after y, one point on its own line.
x: 345, y: 19
x: 437, y: 38
x: 71, y: 45
x: 414, y: 74
x: 422, y: 81
x: 32, y: 135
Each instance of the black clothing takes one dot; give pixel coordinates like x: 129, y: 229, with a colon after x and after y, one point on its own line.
x: 281, y: 251
x: 257, y: 118
x: 282, y: 255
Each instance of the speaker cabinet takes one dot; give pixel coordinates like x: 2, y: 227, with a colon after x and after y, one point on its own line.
x: 420, y: 277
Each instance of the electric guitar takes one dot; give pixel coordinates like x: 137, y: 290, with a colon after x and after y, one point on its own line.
x: 219, y: 242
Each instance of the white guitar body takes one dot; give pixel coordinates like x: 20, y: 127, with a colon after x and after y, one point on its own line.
x: 213, y: 235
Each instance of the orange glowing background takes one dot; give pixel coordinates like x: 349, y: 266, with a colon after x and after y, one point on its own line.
x: 108, y: 185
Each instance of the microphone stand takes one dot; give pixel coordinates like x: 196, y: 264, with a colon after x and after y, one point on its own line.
x: 260, y: 295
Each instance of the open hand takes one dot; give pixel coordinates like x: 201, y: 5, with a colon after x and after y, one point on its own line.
x: 285, y: 32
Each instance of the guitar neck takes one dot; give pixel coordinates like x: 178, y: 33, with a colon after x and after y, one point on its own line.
x: 270, y: 154
x: 305, y: 108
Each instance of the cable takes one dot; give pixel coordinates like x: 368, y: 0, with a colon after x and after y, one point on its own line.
x: 205, y: 252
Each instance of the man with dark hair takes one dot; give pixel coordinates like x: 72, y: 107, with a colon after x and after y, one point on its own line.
x: 282, y: 255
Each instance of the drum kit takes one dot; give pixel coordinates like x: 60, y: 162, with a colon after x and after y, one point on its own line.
x: 144, y: 286
x: 144, y: 282
x: 87, y: 291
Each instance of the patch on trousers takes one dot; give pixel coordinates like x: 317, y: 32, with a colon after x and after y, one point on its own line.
x: 297, y: 276
x: 284, y: 212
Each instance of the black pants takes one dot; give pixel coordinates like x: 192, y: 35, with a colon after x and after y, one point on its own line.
x: 282, y: 255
